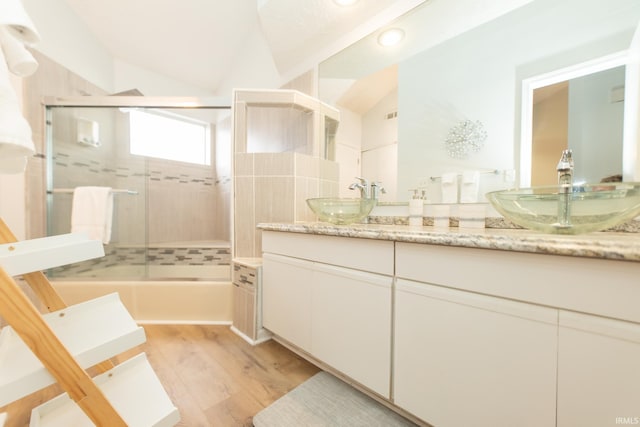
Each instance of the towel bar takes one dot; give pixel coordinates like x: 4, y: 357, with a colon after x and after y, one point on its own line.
x: 70, y: 190
x: 490, y: 172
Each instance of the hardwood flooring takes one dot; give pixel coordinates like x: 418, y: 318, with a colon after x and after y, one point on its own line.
x: 213, y: 376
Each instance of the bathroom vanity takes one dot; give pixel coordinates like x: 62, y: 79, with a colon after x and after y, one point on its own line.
x: 485, y: 327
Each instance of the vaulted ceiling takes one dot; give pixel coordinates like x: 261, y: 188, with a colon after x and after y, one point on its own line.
x: 197, y: 41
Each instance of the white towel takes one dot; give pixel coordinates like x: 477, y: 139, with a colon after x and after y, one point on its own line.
x: 92, y: 212
x: 449, y: 187
x: 13, y: 15
x: 15, y: 133
x: 469, y: 187
x: 19, y: 60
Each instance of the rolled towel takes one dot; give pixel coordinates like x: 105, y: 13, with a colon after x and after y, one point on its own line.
x: 13, y: 15
x: 449, y: 187
x: 19, y: 60
x: 15, y: 133
x: 92, y: 212
x: 469, y: 187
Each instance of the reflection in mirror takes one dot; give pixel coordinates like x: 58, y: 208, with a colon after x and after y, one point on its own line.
x: 584, y: 114
x: 473, y: 72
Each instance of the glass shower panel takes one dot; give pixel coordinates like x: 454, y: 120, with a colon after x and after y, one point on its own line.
x: 171, y: 217
x: 88, y: 147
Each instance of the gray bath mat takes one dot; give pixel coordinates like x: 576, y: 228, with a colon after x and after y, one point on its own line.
x: 325, y: 401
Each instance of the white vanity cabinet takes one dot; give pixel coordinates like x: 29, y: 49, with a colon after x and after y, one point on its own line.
x: 598, y: 371
x: 465, y: 359
x: 485, y: 319
x: 463, y: 336
x: 351, y: 324
x: 332, y: 298
x: 286, y: 298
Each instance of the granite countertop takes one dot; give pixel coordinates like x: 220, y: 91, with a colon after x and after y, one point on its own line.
x: 605, y: 245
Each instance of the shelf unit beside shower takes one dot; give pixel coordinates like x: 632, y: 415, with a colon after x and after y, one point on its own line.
x: 37, y: 349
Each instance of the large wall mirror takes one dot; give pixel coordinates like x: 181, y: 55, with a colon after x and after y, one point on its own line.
x: 478, y: 61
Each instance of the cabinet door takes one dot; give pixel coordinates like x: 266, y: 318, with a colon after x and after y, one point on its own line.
x: 244, y: 310
x: 286, y: 298
x: 351, y: 324
x: 465, y: 359
x: 598, y: 371
x: 239, y: 308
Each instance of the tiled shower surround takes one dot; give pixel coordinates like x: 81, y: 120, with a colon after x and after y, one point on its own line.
x: 168, y: 201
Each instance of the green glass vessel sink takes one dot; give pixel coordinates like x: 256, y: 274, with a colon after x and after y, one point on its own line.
x: 341, y: 210
x: 581, y: 209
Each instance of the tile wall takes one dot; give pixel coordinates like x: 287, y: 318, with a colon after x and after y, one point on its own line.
x: 273, y: 187
x: 188, y: 202
x: 50, y: 79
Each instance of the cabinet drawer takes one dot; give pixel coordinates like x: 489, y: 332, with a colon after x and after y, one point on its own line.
x: 375, y: 256
x: 572, y: 283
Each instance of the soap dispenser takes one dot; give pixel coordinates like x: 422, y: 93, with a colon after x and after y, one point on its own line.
x: 416, y: 209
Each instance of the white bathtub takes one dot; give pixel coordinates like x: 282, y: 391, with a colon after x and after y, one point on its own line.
x: 165, y: 301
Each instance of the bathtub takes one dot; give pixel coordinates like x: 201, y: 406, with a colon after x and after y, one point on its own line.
x: 172, y: 294
x: 177, y: 282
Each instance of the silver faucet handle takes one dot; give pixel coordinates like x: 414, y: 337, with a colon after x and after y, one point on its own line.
x: 377, y: 188
x: 363, y: 181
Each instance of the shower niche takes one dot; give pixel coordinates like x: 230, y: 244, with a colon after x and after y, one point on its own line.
x: 284, y: 153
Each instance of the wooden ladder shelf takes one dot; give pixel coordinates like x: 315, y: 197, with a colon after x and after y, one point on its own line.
x: 38, y: 349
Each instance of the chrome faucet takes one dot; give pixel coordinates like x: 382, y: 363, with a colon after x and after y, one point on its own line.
x: 363, y: 186
x: 565, y: 184
x: 565, y: 168
x: 377, y: 189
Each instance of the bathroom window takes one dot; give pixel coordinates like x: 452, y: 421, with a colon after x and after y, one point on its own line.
x: 169, y: 136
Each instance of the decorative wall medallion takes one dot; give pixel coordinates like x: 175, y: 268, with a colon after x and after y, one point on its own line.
x: 465, y: 138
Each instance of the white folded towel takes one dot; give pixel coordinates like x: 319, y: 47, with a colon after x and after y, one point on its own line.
x: 449, y: 187
x: 13, y: 15
x: 19, y: 60
x: 92, y: 212
x: 15, y: 133
x: 469, y: 187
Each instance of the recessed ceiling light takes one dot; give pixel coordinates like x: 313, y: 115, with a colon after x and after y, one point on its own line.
x: 390, y: 37
x: 345, y: 2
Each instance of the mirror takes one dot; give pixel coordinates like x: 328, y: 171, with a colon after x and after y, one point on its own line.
x: 473, y: 68
x: 581, y: 108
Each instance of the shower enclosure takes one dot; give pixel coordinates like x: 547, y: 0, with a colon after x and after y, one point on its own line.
x: 167, y: 161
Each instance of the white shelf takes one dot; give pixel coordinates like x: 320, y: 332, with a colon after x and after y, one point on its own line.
x: 92, y: 331
x: 40, y: 254
x: 131, y: 387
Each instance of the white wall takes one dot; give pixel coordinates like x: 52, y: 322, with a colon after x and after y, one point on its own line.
x: 69, y: 42
x: 253, y: 68
x: 380, y: 145
x: 66, y: 40
x: 477, y: 76
x: 128, y: 76
x: 348, y: 151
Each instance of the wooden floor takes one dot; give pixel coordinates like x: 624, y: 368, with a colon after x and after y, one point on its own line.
x: 214, y: 377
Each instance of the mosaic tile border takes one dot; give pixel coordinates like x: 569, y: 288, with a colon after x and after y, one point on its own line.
x: 137, y: 256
